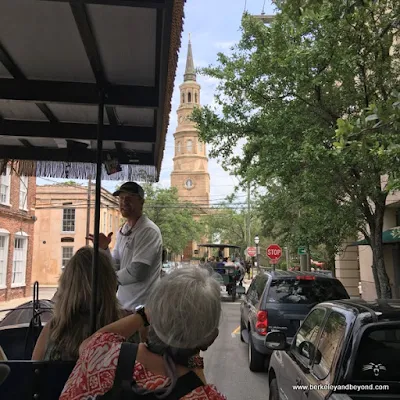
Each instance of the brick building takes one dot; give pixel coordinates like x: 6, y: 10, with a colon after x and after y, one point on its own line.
x: 60, y: 230
x: 190, y: 173
x: 17, y: 218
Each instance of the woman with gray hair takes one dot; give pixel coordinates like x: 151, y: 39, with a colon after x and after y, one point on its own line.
x: 182, y: 314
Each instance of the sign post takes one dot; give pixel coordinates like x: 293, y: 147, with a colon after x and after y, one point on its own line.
x: 274, y: 253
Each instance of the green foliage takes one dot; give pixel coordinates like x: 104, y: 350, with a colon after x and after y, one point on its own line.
x: 69, y: 183
x: 229, y: 224
x: 175, y: 220
x: 310, y: 95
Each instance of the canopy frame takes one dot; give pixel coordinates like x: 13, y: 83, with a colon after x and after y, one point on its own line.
x: 84, y: 142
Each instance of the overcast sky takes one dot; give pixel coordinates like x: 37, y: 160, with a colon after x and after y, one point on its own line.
x: 214, y: 27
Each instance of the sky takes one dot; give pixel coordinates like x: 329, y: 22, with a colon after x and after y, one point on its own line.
x: 214, y: 26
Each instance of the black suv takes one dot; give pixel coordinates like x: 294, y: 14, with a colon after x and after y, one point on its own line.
x: 344, y: 350
x: 279, y: 301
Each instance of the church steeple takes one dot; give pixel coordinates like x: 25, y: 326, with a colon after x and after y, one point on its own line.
x: 190, y: 72
x: 190, y: 174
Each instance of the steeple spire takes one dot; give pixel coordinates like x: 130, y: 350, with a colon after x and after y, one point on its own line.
x: 190, y: 73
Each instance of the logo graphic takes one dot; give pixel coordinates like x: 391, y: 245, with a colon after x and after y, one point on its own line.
x: 376, y: 368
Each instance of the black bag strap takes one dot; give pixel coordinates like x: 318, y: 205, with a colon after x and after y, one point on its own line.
x: 184, y: 385
x: 123, y: 381
x: 124, y: 371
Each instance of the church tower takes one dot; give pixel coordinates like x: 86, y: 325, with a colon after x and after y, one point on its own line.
x: 190, y: 173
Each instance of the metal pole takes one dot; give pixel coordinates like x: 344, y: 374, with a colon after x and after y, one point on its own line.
x: 89, y: 196
x: 258, y: 258
x: 287, y: 258
x: 99, y: 160
x: 248, y: 215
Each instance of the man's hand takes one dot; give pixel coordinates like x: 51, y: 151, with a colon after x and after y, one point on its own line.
x: 104, y: 240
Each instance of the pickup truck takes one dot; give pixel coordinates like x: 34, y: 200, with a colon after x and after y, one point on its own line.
x: 344, y: 349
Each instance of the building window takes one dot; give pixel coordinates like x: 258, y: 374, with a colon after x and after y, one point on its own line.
x: 189, y: 97
x: 67, y: 253
x: 19, y: 259
x: 178, y: 147
x: 110, y: 223
x: 116, y: 222
x: 104, y: 221
x: 23, y: 192
x: 5, y: 186
x: 195, y: 97
x: 183, y: 97
x: 200, y: 147
x: 189, y: 146
x: 4, y: 236
x: 189, y: 183
x: 68, y: 224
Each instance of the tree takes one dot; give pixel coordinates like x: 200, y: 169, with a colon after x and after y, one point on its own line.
x: 299, y: 215
x: 229, y: 224
x: 288, y: 87
x: 175, y: 219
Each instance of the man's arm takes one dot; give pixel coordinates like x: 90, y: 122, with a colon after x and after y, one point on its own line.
x: 114, y: 256
x: 145, y: 258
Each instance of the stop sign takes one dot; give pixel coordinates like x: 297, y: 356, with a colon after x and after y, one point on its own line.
x: 274, y: 252
x: 251, y: 251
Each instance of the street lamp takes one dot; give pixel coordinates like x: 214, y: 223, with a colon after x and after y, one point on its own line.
x: 257, y: 241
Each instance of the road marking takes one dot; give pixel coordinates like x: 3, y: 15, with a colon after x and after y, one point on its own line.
x: 236, y: 332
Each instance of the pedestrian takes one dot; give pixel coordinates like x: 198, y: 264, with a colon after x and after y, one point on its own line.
x: 137, y: 253
x: 248, y: 269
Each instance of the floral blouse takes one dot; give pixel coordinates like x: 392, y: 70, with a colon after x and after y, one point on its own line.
x: 94, y: 373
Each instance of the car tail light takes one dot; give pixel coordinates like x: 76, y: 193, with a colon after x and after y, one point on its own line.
x: 262, y: 323
x: 306, y: 277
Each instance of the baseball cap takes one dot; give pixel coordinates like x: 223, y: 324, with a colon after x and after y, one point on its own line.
x: 131, y: 188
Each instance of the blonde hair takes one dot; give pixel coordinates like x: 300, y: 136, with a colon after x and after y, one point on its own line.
x: 70, y: 324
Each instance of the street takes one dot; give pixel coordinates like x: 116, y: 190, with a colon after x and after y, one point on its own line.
x: 225, y: 362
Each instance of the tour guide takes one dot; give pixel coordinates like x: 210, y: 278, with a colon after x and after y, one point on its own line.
x: 137, y: 253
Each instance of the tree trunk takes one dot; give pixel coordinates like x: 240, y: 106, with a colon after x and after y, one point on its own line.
x: 376, y: 280
x: 331, y: 262
x: 382, y: 284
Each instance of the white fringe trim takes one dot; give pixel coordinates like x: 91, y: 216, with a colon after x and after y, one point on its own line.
x: 74, y: 170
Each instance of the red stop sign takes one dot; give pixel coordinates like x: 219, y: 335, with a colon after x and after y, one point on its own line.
x: 274, y: 252
x: 251, y: 251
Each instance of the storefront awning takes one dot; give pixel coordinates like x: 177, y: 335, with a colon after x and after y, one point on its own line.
x: 389, y: 236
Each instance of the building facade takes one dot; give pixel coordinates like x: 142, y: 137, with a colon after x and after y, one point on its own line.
x: 62, y: 214
x: 190, y: 169
x: 17, y: 219
x: 354, y: 264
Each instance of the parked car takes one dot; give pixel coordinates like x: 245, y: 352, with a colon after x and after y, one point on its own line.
x: 280, y: 300
x: 343, y: 350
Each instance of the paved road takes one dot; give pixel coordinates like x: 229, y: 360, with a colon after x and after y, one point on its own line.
x: 226, y: 361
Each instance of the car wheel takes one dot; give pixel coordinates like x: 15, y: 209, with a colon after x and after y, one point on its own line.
x: 273, y: 390
x: 256, y: 359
